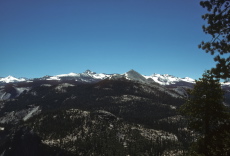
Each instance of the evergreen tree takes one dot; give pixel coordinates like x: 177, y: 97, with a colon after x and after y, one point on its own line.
x: 206, y: 112
x: 218, y: 26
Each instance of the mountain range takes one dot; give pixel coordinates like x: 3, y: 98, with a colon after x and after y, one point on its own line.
x: 95, y: 114
x: 89, y: 76
x: 177, y: 84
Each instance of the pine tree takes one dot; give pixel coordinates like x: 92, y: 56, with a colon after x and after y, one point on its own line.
x: 205, y: 112
x: 218, y: 26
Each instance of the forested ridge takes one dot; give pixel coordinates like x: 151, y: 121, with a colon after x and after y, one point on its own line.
x: 110, y: 117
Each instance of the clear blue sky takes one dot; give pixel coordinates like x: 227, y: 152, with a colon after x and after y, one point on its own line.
x: 50, y: 37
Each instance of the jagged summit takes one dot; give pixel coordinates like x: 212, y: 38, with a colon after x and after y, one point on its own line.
x: 89, y: 72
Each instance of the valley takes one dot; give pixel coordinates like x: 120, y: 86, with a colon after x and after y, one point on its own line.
x: 90, y: 114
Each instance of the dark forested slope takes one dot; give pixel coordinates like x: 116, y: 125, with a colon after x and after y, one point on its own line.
x: 109, y: 117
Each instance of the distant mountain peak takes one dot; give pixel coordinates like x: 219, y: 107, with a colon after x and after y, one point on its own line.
x: 135, y: 76
x: 167, y: 79
x: 131, y: 70
x: 10, y: 79
x: 89, y: 72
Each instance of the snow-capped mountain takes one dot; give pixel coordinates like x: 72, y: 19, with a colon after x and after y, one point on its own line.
x: 90, y: 77
x: 135, y: 76
x: 166, y: 79
x: 87, y: 76
x: 10, y: 79
x: 78, y: 110
x: 157, y: 78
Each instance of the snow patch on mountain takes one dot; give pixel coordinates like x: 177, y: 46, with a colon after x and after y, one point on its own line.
x: 22, y: 89
x: 62, y: 87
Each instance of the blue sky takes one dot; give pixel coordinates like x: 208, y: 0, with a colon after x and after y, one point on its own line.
x: 50, y: 37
